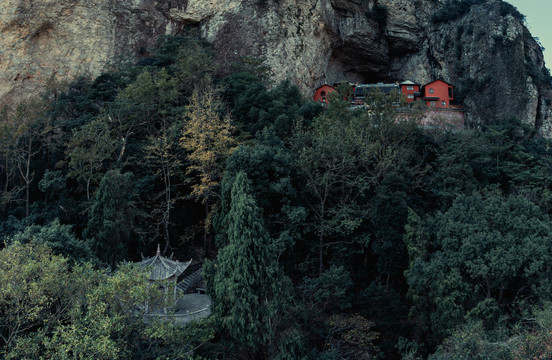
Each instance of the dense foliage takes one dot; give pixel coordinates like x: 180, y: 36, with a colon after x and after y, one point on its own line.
x: 455, y: 9
x: 324, y: 233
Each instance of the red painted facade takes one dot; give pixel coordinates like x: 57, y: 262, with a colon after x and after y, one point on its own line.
x: 322, y: 92
x: 438, y: 94
x: 410, y: 91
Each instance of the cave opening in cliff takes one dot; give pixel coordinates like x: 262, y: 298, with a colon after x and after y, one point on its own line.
x: 374, y: 78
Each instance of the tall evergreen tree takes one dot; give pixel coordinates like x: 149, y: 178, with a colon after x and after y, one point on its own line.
x: 247, y: 285
x: 111, y: 218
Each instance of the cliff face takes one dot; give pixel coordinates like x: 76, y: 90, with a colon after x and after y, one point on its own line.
x: 495, y: 63
x: 41, y: 39
x: 487, y: 52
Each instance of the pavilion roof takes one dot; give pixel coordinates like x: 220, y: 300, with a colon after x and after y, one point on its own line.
x: 163, y: 268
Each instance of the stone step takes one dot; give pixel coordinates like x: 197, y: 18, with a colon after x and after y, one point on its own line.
x: 185, y: 285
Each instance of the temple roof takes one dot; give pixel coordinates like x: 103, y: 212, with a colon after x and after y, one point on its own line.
x: 362, y: 89
x: 408, y: 82
x: 163, y: 268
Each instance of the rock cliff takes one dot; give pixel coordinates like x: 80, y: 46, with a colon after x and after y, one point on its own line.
x: 45, y: 39
x: 485, y: 50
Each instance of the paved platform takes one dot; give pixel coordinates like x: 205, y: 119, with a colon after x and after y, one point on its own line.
x: 188, y: 307
x: 192, y: 303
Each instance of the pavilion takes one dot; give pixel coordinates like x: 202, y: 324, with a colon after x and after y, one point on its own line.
x: 164, y: 271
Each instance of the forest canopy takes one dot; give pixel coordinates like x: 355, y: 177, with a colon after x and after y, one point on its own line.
x: 324, y: 233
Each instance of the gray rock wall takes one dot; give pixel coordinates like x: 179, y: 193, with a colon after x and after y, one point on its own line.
x: 41, y: 39
x: 489, y: 56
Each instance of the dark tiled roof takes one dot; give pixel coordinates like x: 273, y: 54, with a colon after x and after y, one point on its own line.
x: 361, y: 89
x: 163, y: 268
x: 321, y: 86
x: 431, y: 82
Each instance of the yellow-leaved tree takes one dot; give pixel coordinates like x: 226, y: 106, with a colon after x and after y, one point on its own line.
x: 207, y: 137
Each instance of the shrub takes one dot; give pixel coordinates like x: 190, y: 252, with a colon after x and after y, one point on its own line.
x: 541, y: 76
x: 509, y: 9
x: 454, y: 9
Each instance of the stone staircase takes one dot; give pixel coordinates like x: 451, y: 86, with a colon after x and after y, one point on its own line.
x: 188, y: 284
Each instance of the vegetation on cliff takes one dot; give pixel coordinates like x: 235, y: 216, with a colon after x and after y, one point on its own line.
x: 326, y: 233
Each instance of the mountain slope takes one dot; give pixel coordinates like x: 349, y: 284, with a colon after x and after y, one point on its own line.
x: 480, y: 46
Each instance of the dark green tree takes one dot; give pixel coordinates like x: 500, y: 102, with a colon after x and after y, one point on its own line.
x: 111, y: 217
x: 246, y: 284
x: 255, y: 107
x: 270, y: 166
x: 59, y: 238
x: 459, y: 165
x: 89, y: 149
x: 477, y: 260
x: 341, y: 158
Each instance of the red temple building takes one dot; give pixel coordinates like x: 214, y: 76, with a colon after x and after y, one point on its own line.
x: 438, y: 94
x: 321, y: 93
x: 410, y: 90
x: 361, y: 90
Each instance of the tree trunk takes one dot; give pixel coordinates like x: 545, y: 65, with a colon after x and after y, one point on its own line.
x: 6, y: 187
x: 167, y: 213
x: 167, y: 242
x: 27, y: 195
x: 321, y: 254
x: 321, y: 240
x: 88, y: 189
x: 206, y: 229
x: 501, y: 295
x: 28, y: 179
